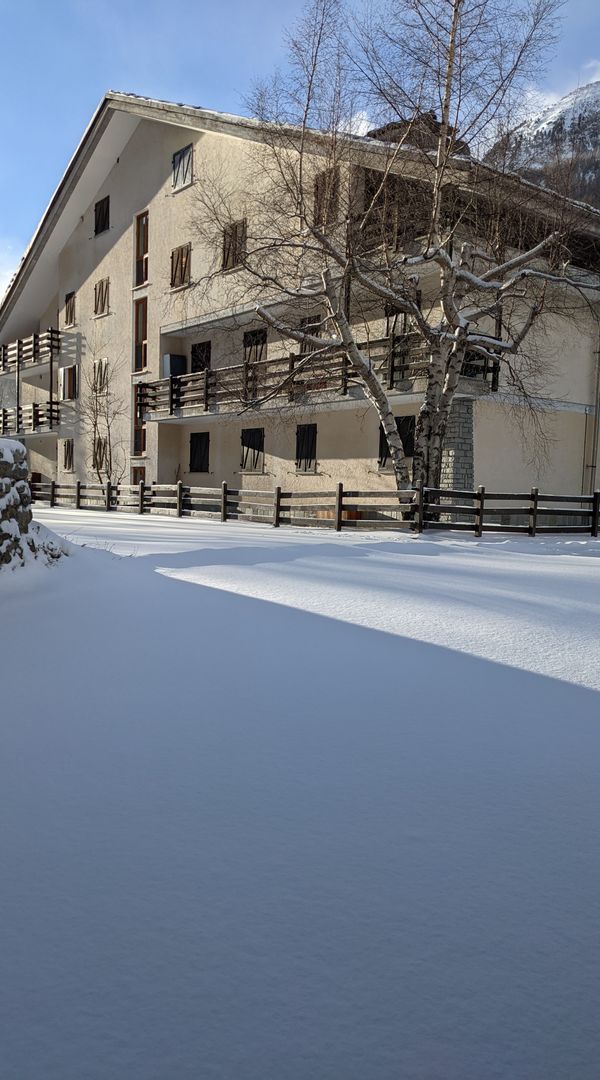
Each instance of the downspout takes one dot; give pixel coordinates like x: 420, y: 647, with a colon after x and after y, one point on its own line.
x: 596, y: 428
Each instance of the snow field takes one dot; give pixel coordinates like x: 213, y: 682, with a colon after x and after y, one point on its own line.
x: 273, y: 808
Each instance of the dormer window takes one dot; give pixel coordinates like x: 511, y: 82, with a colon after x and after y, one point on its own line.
x: 182, y: 167
x: 102, y: 216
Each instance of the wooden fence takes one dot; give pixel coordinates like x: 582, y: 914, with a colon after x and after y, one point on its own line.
x: 424, y: 508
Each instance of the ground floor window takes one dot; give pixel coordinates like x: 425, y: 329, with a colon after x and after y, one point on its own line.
x: 306, y: 447
x: 67, y: 455
x: 138, y: 475
x: 199, y: 451
x: 406, y: 431
x: 253, y: 449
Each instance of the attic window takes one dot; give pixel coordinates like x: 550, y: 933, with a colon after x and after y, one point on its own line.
x: 182, y: 167
x: 102, y: 215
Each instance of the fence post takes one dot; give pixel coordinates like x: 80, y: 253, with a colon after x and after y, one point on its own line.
x: 141, y: 489
x: 479, y: 511
x: 108, y: 494
x: 533, y: 506
x: 78, y: 495
x: 276, y: 507
x: 179, y: 498
x: 420, y: 507
x: 224, y: 501
x: 53, y: 493
x: 339, y: 506
x: 595, y: 513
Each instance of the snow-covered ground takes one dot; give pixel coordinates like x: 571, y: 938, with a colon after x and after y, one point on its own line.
x: 295, y: 805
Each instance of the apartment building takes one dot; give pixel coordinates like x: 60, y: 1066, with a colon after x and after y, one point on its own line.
x: 114, y: 362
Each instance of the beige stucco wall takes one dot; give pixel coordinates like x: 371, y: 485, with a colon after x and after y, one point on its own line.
x: 347, y: 451
x: 504, y: 462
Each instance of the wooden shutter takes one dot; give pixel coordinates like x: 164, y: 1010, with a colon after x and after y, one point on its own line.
x: 228, y: 247
x: 141, y: 248
x: 180, y: 266
x: 199, y: 451
x: 306, y: 447
x: 68, y: 455
x: 70, y: 309
x: 175, y: 267
x: 253, y: 447
x: 201, y: 351
x: 182, y: 167
x: 102, y: 215
x: 101, y: 297
x: 405, y: 426
x: 326, y: 197
x: 255, y: 346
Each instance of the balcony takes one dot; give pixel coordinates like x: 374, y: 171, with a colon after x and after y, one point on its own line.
x: 28, y: 352
x: 38, y: 418
x: 399, y: 361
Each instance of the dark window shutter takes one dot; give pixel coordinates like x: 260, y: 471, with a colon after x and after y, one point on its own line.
x: 406, y: 430
x: 175, y: 267
x: 199, y: 451
x: 253, y: 447
x: 185, y: 264
x: 102, y: 215
x: 201, y: 351
x: 255, y: 346
x: 306, y: 447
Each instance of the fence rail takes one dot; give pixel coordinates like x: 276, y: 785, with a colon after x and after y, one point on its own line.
x: 415, y: 509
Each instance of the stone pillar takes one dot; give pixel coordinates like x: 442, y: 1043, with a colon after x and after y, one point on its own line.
x: 457, y: 456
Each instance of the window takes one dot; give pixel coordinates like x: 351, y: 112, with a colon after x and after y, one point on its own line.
x: 201, y: 356
x: 234, y: 244
x: 255, y: 346
x: 306, y: 447
x: 68, y: 383
x: 102, y: 215
x: 67, y: 455
x: 181, y: 259
x: 139, y: 427
x: 327, y: 197
x: 138, y: 475
x: 70, y: 309
x: 101, y: 302
x: 99, y: 453
x: 199, y: 447
x: 312, y: 325
x: 100, y: 377
x: 140, y: 360
x: 141, y: 248
x: 182, y: 167
x: 253, y: 449
x: 396, y: 322
x: 406, y: 431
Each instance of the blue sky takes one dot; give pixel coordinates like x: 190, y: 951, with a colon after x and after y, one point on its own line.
x: 60, y: 56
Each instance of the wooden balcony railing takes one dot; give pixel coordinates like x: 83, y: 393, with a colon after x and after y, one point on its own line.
x: 25, y: 352
x: 293, y: 379
x: 30, y: 419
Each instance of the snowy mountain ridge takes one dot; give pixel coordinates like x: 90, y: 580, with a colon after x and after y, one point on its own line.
x: 559, y: 145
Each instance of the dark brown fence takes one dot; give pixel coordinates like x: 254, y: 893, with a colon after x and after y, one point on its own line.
x: 478, y: 511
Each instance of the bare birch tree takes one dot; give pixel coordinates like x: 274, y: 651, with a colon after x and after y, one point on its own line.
x: 333, y: 228
x: 103, y: 416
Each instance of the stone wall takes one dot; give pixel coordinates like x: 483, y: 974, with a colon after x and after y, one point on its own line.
x: 15, y: 500
x: 457, y: 456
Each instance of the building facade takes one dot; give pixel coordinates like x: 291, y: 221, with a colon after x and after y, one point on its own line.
x: 115, y: 362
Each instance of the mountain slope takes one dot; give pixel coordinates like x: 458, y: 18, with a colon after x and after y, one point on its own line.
x: 559, y: 147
